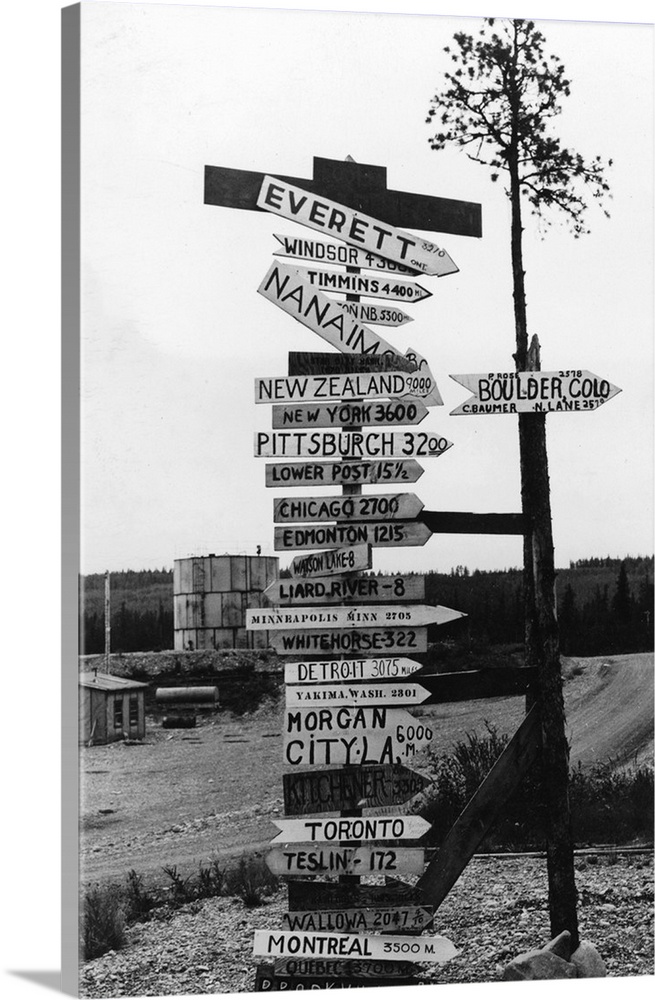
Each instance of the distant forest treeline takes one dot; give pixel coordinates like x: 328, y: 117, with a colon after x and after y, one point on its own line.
x: 604, y: 606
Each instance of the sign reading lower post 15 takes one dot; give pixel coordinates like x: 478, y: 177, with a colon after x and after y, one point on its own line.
x: 352, y: 736
x: 355, y: 228
x: 534, y: 392
x: 343, y: 473
x: 420, y: 949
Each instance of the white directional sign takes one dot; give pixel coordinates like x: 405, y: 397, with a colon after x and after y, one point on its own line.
x: 338, y: 388
x: 401, y: 693
x: 337, y: 253
x: 368, y: 828
x: 389, y: 946
x: 346, y: 414
x: 534, y: 392
x: 368, y: 472
x: 285, y: 288
x: 371, y: 312
x: 347, y: 560
x: 320, y: 671
x: 350, y: 444
x: 308, y: 859
x: 371, y: 616
x: 353, y: 642
x: 381, y: 534
x: 371, y: 285
x: 343, y: 223
x: 376, y: 507
x: 348, y: 735
x: 336, y: 590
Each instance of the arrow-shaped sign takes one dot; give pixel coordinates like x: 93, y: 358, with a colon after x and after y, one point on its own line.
x: 534, y: 392
x: 285, y: 288
x: 371, y: 285
x: 370, y: 786
x: 352, y: 736
x: 390, y: 668
x: 371, y: 312
x: 343, y: 473
x: 371, y: 616
x: 351, y: 642
x: 339, y: 388
x: 347, y: 560
x: 420, y: 949
x: 407, y: 693
x: 376, y: 507
x: 381, y: 534
x: 344, y: 828
x: 350, y: 444
x: 393, y: 918
x: 385, y: 414
x: 337, y: 253
x: 353, y: 227
x: 336, y: 590
x: 309, y: 859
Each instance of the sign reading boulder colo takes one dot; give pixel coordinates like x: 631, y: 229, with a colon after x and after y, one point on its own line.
x: 534, y: 392
x: 353, y: 227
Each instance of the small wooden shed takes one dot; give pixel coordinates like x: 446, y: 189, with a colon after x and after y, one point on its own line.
x: 111, y: 708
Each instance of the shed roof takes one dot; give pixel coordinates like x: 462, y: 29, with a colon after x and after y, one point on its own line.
x: 108, y: 682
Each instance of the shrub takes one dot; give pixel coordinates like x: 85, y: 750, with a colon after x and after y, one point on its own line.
x: 251, y: 880
x: 139, y: 901
x: 103, y: 921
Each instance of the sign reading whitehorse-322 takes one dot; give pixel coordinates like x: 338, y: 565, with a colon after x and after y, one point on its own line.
x: 534, y: 392
x: 353, y: 227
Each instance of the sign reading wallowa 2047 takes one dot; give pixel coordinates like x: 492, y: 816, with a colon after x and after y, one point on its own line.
x: 421, y: 949
x: 353, y: 227
x: 534, y: 392
x: 285, y: 288
x: 348, y: 735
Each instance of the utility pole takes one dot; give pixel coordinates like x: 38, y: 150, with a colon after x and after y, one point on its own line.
x: 107, y: 622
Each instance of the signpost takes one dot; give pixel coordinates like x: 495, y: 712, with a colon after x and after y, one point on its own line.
x: 370, y: 312
x: 376, y: 507
x: 300, y: 831
x: 349, y: 414
x: 297, y: 944
x: 346, y: 735
x: 372, y: 286
x: 404, y: 693
x: 335, y: 590
x: 338, y: 388
x: 380, y: 534
x: 534, y: 392
x: 346, y: 560
x: 350, y: 444
x: 354, y: 641
x: 322, y: 671
x: 343, y: 473
x: 381, y: 918
x: 382, y: 615
x: 337, y: 253
x: 368, y: 786
x: 355, y: 228
x: 312, y: 859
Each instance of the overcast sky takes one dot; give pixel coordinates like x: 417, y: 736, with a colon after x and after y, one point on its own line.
x: 174, y: 332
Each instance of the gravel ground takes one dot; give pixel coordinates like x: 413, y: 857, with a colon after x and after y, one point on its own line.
x: 496, y: 910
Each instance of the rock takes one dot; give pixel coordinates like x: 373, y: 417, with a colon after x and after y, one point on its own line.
x: 539, y: 964
x: 561, y: 945
x: 588, y: 962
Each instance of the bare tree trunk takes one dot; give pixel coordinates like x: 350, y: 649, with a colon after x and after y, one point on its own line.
x: 541, y: 629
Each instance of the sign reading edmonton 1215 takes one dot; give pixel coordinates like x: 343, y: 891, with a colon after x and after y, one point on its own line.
x: 534, y: 392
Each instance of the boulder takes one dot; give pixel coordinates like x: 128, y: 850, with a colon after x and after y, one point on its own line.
x: 540, y: 964
x: 561, y: 945
x: 588, y: 962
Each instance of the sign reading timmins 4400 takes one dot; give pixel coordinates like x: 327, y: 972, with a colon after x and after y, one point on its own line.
x: 353, y: 227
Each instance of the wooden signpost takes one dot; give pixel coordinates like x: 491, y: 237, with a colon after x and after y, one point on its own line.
x: 370, y: 312
x: 383, y: 615
x: 365, y: 787
x: 372, y: 473
x: 405, y: 693
x: 351, y: 642
x: 372, y: 286
x: 350, y: 444
x: 349, y: 559
x: 336, y: 590
x: 379, y: 534
x: 319, y: 859
x: 534, y: 392
x: 300, y: 831
x: 339, y: 388
x: 380, y: 918
x: 349, y: 414
x: 297, y: 944
x: 325, y: 671
x: 337, y: 253
x: 377, y: 507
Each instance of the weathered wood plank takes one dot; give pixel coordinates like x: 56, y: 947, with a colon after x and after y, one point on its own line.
x: 324, y: 363
x: 305, y: 895
x: 459, y: 522
x: 467, y: 685
x: 480, y: 812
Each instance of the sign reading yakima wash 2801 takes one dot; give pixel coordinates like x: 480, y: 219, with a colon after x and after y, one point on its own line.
x: 353, y: 227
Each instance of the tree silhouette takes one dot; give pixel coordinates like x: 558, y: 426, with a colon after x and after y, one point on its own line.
x: 499, y: 105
